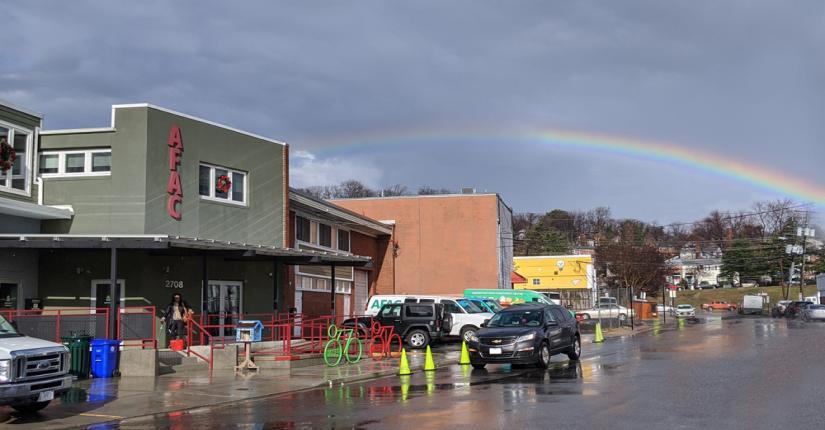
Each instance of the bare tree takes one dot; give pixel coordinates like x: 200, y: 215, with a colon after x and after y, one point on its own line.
x: 426, y: 190
x: 353, y: 189
x: 395, y: 190
x: 640, y: 267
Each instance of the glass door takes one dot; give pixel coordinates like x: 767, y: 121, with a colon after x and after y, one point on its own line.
x: 8, y: 295
x: 224, y: 302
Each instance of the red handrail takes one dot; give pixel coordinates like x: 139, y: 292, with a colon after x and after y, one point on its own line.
x: 212, y: 347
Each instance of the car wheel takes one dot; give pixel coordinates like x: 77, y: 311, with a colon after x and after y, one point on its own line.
x: 30, y: 408
x: 418, y: 339
x: 544, y: 355
x: 731, y: 308
x: 622, y: 317
x: 478, y: 366
x: 585, y: 316
x: 575, y: 350
x: 467, y: 332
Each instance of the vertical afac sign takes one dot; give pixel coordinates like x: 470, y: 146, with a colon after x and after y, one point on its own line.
x: 173, y: 187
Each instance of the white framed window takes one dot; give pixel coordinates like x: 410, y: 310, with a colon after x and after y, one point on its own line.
x: 17, y: 179
x: 310, y: 283
x: 343, y: 240
x: 73, y: 163
x: 343, y: 287
x: 325, y: 235
x: 212, y: 184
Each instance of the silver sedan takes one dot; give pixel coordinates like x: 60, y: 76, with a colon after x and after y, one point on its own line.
x: 813, y: 313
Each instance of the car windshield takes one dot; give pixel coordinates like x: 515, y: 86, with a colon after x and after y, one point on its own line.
x: 530, y: 318
x: 684, y: 307
x: 470, y: 307
x: 6, y: 329
x: 492, y: 304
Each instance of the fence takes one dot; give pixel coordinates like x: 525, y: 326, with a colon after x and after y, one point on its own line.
x: 137, y: 326
x: 52, y: 324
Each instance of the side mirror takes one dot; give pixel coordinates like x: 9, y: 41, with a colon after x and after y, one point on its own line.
x: 484, y: 324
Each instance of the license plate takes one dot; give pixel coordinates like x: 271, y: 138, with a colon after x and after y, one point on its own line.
x: 494, y: 351
x: 45, y: 396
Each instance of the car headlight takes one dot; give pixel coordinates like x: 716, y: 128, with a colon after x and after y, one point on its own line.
x: 526, y: 337
x: 5, y: 370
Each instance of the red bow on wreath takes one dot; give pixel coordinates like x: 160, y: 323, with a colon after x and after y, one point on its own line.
x: 223, y: 184
x: 7, y: 155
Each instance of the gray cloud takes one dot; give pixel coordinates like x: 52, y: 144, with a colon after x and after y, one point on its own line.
x: 741, y: 78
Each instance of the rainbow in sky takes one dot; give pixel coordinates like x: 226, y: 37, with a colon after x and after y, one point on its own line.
x: 737, y: 169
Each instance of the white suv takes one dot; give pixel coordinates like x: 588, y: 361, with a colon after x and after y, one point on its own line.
x: 467, y: 317
x: 32, y: 370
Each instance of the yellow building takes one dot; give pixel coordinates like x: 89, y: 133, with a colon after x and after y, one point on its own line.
x: 573, y: 277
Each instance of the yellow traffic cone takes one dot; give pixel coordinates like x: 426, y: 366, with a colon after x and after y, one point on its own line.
x: 465, y: 355
x: 429, y: 364
x: 599, y: 336
x: 404, y: 366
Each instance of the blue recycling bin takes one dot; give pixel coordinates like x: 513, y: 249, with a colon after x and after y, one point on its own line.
x: 104, y: 357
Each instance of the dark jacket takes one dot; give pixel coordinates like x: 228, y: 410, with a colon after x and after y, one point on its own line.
x: 170, y: 311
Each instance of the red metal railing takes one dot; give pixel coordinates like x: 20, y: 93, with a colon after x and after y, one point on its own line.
x: 52, y: 324
x: 214, y: 342
x: 137, y: 326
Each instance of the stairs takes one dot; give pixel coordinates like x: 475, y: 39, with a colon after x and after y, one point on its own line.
x: 177, y: 362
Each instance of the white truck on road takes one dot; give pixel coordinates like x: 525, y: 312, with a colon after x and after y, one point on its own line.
x: 752, y: 304
x: 32, y: 371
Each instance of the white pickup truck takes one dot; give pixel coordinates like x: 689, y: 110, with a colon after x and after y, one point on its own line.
x: 32, y: 371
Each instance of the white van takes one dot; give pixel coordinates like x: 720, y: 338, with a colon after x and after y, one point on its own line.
x: 467, y: 316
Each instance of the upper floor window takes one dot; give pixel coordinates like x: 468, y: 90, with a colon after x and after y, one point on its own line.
x: 536, y: 281
x: 324, y: 235
x: 343, y: 240
x: 92, y: 162
x: 302, y: 229
x: 14, y: 174
x: 222, y: 184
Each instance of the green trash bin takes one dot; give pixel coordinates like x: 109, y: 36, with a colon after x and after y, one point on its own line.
x: 80, y: 354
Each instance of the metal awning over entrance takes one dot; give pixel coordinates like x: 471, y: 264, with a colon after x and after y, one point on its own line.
x: 176, y: 245
x: 181, y: 245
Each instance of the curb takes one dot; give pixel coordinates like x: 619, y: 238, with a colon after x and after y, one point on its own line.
x: 381, y: 374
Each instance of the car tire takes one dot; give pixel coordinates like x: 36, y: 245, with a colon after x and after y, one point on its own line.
x: 731, y: 308
x: 30, y: 408
x: 585, y: 317
x: 544, y: 355
x: 622, y: 317
x: 418, y: 339
x: 575, y: 350
x: 468, y: 330
x: 478, y: 366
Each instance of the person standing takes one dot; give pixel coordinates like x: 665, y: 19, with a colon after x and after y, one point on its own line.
x: 177, y: 313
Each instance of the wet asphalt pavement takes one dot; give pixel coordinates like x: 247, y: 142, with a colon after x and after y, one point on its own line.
x: 738, y: 373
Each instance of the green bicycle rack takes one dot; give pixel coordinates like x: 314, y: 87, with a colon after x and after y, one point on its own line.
x: 342, y: 343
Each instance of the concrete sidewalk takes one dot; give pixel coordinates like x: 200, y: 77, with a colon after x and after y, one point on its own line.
x: 99, y: 400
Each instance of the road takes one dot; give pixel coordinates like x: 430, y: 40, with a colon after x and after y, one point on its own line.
x: 738, y: 373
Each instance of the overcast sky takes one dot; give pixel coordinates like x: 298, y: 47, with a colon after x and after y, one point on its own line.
x: 744, y: 79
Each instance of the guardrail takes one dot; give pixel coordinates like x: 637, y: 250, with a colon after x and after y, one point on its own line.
x: 137, y: 326
x: 213, y: 342
x: 52, y: 324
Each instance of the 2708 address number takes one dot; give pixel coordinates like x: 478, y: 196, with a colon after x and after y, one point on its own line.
x: 173, y: 284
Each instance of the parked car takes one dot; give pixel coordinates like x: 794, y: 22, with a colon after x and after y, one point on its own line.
x: 813, y: 312
x: 719, y: 306
x: 664, y: 308
x: 488, y: 305
x: 32, y: 371
x: 685, y: 311
x: 606, y: 311
x: 526, y: 334
x: 794, y: 309
x: 466, y: 316
x: 418, y: 324
x: 751, y: 304
x: 705, y: 285
x: 779, y: 309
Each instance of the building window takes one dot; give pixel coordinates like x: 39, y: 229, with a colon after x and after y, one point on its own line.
x: 324, y: 235
x: 343, y: 240
x: 94, y: 162
x: 536, y: 281
x: 212, y: 180
x: 302, y: 229
x: 343, y: 287
x: 17, y: 178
